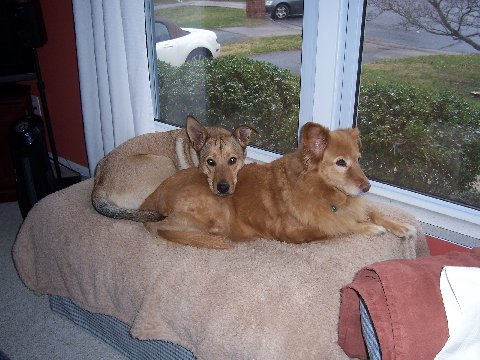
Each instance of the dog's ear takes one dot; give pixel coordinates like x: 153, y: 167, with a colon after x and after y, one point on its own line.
x: 196, y: 132
x: 313, y: 141
x: 242, y: 134
x: 355, y: 133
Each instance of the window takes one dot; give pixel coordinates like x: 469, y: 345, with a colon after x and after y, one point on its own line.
x: 327, y: 92
x: 420, y: 122
x: 230, y: 90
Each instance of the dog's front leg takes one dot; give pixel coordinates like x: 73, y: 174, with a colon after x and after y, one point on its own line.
x: 401, y: 230
x: 370, y: 229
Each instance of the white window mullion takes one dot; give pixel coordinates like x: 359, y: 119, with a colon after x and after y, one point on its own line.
x: 151, y: 54
x: 352, y: 54
x: 308, y: 67
x: 325, y: 84
x: 330, y: 53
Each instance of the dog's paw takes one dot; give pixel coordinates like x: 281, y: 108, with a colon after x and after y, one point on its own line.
x: 373, y: 229
x: 404, y: 231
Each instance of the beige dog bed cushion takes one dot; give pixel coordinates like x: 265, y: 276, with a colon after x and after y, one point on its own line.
x: 260, y: 300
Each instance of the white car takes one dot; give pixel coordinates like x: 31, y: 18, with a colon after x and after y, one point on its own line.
x: 176, y: 45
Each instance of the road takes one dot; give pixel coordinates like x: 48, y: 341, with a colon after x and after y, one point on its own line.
x: 387, y: 28
x: 384, y: 39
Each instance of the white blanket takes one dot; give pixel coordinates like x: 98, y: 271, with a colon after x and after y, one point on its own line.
x: 460, y: 287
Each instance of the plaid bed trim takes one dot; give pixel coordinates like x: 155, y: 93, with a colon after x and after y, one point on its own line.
x: 117, y: 334
x: 369, y: 335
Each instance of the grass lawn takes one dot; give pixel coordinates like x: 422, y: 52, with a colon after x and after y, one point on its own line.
x: 456, y: 73
x: 207, y: 17
x: 263, y: 45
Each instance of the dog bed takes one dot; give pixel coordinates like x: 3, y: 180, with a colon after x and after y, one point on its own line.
x: 262, y: 299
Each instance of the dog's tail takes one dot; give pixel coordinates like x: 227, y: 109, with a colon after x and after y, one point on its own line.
x: 106, y: 208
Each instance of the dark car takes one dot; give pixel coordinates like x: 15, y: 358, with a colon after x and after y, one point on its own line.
x: 281, y: 9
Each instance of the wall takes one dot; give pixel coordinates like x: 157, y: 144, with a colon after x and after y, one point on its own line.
x: 58, y: 64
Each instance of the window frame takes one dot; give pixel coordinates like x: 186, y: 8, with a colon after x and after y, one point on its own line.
x: 330, y: 81
x: 149, y: 7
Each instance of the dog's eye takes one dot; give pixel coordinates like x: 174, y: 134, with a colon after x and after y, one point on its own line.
x: 341, y: 163
x: 232, y: 160
x: 211, y: 162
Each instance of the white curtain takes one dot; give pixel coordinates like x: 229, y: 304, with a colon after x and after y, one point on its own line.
x: 113, y: 70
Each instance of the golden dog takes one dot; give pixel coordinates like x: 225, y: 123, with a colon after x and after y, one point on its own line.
x: 304, y: 196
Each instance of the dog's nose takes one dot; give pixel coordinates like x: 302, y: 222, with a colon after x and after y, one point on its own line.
x: 223, y: 187
x: 365, y: 186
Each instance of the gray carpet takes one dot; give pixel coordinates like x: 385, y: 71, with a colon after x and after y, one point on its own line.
x: 28, y: 328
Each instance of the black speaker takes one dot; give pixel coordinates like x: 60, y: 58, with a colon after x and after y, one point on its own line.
x: 33, y: 172
x: 28, y: 24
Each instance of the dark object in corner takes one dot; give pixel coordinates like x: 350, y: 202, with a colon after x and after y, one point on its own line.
x: 34, y: 177
x: 33, y: 173
x: 3, y: 356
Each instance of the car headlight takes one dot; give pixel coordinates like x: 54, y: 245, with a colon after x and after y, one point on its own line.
x: 268, y: 3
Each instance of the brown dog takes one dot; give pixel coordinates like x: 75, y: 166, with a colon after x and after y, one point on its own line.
x: 304, y: 196
x: 132, y: 171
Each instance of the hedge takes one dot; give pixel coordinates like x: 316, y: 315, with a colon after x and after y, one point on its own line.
x: 422, y: 140
x: 412, y: 137
x: 232, y: 91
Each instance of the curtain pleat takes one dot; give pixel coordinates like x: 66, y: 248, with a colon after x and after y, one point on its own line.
x: 113, y: 71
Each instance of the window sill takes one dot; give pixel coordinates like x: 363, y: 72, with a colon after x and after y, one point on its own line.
x: 441, y: 219
x: 440, y: 226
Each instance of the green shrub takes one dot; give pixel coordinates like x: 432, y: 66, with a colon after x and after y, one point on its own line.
x: 412, y: 137
x: 231, y: 91
x: 421, y: 140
